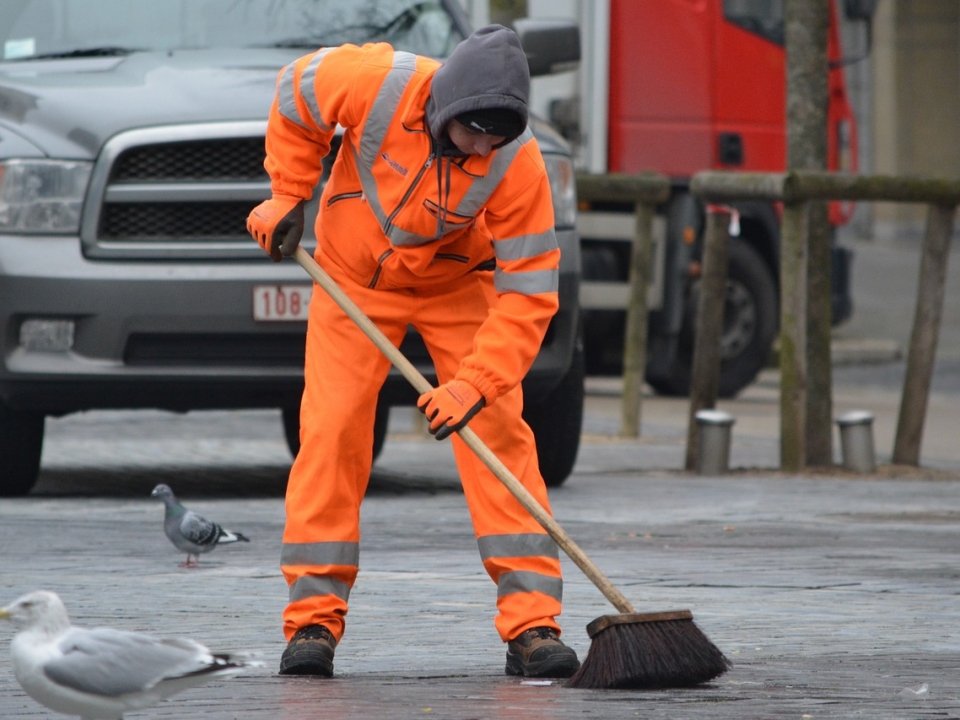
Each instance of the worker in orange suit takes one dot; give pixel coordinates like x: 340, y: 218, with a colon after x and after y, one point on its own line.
x: 437, y: 214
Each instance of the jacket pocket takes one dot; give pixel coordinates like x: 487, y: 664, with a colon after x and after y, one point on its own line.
x: 451, y: 221
x: 344, y: 196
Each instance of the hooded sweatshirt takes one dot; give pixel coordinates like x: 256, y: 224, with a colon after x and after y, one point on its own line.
x: 398, y: 212
x: 486, y: 71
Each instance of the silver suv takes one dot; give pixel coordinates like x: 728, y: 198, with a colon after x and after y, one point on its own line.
x: 131, y: 151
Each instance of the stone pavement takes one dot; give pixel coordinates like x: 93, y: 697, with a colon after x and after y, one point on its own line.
x: 833, y: 594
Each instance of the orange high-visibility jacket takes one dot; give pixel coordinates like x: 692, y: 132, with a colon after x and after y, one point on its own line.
x: 399, y: 214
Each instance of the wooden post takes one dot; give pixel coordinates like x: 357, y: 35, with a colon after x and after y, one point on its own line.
x: 807, y: 25
x: 793, y: 337
x: 819, y: 413
x: 923, y: 339
x: 705, y: 374
x: 635, y: 337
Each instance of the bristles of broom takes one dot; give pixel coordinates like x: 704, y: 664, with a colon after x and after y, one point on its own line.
x: 640, y: 651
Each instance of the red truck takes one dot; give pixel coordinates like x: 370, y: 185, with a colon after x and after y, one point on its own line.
x: 696, y: 85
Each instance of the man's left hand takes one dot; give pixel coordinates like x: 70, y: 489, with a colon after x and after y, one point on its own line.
x: 450, y: 406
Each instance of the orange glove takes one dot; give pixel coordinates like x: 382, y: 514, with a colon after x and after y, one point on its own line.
x: 277, y: 224
x: 450, y: 406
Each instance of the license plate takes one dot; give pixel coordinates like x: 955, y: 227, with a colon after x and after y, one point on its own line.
x: 281, y: 303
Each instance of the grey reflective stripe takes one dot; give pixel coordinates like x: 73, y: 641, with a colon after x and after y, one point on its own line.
x: 320, y: 553
x: 477, y: 194
x: 482, y: 188
x: 308, y: 89
x: 522, y: 581
x: 310, y: 586
x: 402, y: 237
x: 377, y: 123
x: 525, y: 246
x: 286, y: 100
x: 526, y: 283
x: 517, y: 545
x: 375, y: 131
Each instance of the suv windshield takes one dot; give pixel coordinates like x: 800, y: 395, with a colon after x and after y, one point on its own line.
x: 37, y: 29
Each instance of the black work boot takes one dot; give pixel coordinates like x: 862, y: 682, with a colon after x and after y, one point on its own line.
x: 538, y: 652
x: 309, y: 652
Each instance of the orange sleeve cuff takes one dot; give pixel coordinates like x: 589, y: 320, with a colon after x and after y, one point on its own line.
x: 482, y: 384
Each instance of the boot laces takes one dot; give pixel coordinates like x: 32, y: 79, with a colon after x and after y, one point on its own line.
x: 541, y: 633
x: 313, y: 632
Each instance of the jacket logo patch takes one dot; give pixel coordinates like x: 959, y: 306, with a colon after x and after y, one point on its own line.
x: 394, y: 164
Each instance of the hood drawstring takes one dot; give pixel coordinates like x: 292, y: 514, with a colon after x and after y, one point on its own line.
x: 443, y: 191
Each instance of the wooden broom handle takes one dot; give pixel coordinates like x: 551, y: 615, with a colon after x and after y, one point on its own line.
x: 422, y: 385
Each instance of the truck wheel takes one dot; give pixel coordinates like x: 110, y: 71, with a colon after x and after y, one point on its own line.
x: 603, y: 329
x: 750, y: 320
x: 21, y: 441
x: 291, y: 428
x: 557, y: 421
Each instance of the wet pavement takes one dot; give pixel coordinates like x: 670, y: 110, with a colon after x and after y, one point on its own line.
x: 833, y: 594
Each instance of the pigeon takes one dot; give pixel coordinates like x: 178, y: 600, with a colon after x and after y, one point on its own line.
x: 188, y: 531
x: 101, y: 673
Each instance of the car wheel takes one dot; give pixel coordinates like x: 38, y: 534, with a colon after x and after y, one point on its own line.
x: 750, y: 321
x: 21, y: 441
x: 557, y: 421
x: 291, y: 428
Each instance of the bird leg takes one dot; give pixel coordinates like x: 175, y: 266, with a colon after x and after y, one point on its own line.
x: 190, y: 563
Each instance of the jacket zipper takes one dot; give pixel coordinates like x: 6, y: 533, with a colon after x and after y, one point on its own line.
x: 388, y: 224
x: 439, y: 256
x: 344, y: 196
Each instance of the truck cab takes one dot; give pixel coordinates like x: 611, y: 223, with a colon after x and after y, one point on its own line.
x: 698, y: 85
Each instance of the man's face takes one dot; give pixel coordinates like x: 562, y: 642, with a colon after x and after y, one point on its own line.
x: 471, y: 142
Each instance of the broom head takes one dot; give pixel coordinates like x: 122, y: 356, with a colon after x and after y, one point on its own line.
x: 648, y: 651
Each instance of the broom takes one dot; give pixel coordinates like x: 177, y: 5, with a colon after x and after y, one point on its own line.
x: 628, y: 650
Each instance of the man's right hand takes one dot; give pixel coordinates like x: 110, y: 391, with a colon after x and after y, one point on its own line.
x: 277, y: 224
x: 450, y: 406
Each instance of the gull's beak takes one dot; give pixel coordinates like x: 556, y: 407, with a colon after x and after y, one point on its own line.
x: 4, y: 615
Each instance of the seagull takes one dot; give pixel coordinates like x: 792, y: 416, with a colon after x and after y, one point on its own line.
x: 100, y: 673
x: 190, y: 532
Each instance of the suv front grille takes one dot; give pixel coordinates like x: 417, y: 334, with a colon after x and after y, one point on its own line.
x: 182, y: 192
x: 175, y: 221
x: 224, y: 159
x: 177, y: 192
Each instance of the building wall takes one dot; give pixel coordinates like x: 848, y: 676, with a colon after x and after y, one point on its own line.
x: 915, y: 123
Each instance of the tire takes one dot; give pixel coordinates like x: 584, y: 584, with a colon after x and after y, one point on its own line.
x: 750, y: 322
x: 603, y: 329
x: 557, y: 422
x: 21, y: 442
x: 291, y: 428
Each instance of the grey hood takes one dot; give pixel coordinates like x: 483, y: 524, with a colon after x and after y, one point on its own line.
x: 486, y: 71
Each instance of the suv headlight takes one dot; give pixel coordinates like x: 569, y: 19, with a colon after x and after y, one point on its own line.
x: 42, y: 196
x: 563, y: 187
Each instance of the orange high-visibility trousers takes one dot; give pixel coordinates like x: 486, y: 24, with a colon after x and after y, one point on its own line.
x: 343, y: 374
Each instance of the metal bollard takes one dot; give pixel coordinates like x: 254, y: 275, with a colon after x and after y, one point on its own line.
x: 856, y: 441
x: 713, y: 449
